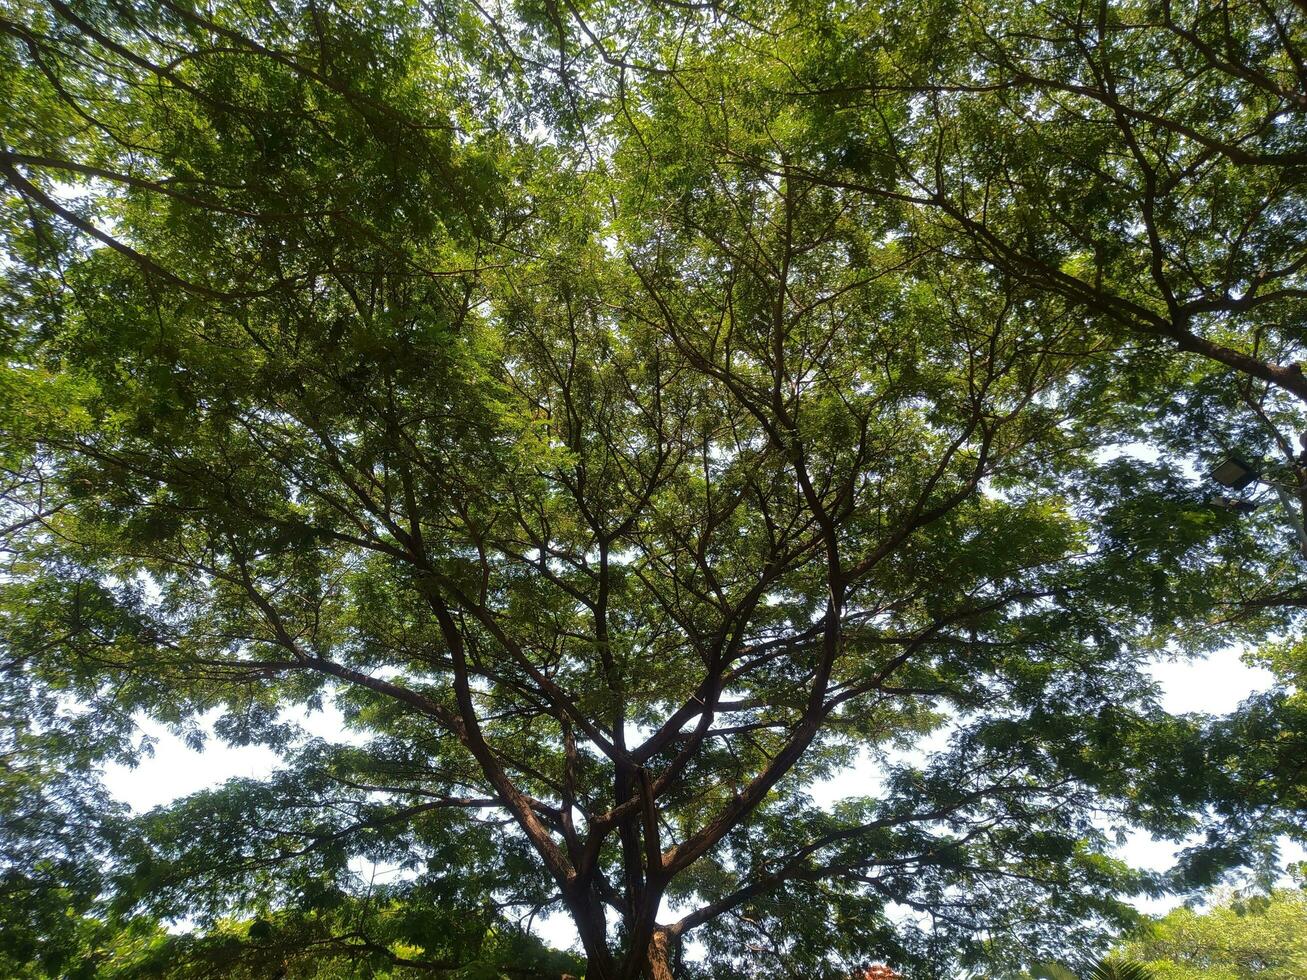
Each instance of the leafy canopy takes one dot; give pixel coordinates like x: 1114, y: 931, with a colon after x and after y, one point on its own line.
x: 627, y: 422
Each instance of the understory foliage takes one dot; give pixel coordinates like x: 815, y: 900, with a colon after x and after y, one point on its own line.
x: 624, y: 420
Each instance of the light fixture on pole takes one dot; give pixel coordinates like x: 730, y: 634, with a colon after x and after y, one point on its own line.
x: 1235, y: 473
x: 1237, y: 504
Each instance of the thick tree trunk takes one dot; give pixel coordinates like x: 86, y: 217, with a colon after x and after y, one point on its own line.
x: 659, y: 966
x: 588, y: 916
x: 656, y: 964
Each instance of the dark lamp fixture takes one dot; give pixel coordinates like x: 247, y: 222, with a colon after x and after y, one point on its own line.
x: 1236, y: 504
x: 1234, y: 473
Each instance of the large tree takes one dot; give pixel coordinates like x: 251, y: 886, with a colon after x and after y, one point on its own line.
x: 589, y: 407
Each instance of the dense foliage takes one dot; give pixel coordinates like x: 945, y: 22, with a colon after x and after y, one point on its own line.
x: 628, y: 419
x: 1261, y: 936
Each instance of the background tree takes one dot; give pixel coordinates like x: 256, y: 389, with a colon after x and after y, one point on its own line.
x: 1257, y: 936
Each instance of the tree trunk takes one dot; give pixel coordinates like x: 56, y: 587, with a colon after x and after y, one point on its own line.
x: 659, y: 965
x: 656, y: 964
x: 588, y: 915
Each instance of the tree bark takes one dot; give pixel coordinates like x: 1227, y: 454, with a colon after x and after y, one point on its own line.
x: 659, y: 956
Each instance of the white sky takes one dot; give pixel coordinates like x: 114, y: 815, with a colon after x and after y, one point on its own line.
x: 1214, y: 685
